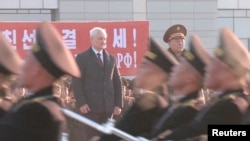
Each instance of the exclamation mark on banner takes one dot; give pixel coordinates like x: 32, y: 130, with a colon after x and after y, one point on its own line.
x: 135, y: 65
x: 134, y: 37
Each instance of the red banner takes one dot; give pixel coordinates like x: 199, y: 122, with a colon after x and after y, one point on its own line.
x: 126, y: 40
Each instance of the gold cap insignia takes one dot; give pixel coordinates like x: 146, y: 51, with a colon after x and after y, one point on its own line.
x: 178, y: 28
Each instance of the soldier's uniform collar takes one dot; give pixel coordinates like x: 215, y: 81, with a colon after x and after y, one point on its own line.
x: 228, y: 92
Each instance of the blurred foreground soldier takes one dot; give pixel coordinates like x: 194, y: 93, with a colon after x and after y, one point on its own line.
x: 186, y: 80
x: 10, y: 64
x: 149, y: 105
x: 175, y: 38
x: 246, y: 119
x: 225, y: 72
x: 38, y: 117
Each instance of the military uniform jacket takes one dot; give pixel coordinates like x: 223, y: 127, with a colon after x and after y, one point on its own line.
x: 179, y: 113
x: 99, y: 87
x: 223, y: 111
x: 29, y: 120
x: 172, y: 52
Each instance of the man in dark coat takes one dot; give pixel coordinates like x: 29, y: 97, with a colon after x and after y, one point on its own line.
x: 98, y: 92
x: 38, y: 117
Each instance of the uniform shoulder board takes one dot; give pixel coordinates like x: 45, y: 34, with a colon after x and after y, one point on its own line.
x: 218, y: 98
x: 230, y: 96
x: 189, y: 103
x: 195, y: 103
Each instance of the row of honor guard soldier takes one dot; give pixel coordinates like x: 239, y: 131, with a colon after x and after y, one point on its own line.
x: 186, y: 80
x: 225, y: 72
x: 227, y: 61
x: 38, y: 117
x: 10, y: 64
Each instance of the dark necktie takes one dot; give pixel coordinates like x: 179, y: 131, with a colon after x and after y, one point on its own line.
x: 99, y: 59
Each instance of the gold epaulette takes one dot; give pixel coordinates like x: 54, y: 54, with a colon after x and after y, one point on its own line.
x: 195, y: 103
x: 190, y: 103
x: 230, y: 96
x: 215, y: 99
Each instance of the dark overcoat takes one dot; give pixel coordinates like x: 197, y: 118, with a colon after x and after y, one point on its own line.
x: 100, y: 86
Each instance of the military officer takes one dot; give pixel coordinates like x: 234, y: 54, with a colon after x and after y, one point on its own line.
x: 175, y: 38
x: 38, y: 116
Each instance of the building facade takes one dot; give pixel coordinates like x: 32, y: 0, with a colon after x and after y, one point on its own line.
x: 203, y: 17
